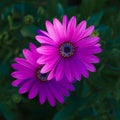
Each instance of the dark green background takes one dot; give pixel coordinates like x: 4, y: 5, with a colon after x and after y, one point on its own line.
x: 97, y: 98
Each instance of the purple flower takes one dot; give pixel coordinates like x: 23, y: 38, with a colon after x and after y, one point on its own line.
x: 29, y: 79
x: 68, y: 50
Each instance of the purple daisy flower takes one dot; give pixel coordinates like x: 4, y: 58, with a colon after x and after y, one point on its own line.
x: 68, y: 50
x: 29, y: 79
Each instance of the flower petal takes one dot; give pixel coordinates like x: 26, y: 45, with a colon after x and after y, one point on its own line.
x: 64, y: 91
x: 51, y: 31
x: 79, y: 30
x: 84, y: 70
x: 45, y: 40
x: 89, y: 41
x: 47, y: 50
x: 42, y: 33
x: 71, y: 27
x: 68, y: 70
x: 42, y: 94
x: 17, y: 82
x: 22, y: 74
x: 56, y: 93
x: 50, y: 97
x: 74, y: 69
x: 88, y: 65
x: 88, y: 31
x: 34, y: 90
x: 51, y: 75
x: 68, y: 86
x: 25, y: 63
x: 29, y: 57
x: 65, y: 21
x: 25, y: 87
x: 50, y: 65
x: 60, y: 71
x: 58, y: 27
x: 17, y: 66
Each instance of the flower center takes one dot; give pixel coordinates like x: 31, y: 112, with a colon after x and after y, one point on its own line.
x: 66, y: 49
x: 41, y: 77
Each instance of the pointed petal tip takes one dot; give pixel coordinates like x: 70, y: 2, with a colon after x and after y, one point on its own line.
x: 92, y: 27
x: 52, y: 105
x: 14, y: 84
x: 37, y: 37
x: 13, y: 74
x: 84, y: 22
x: 24, y: 51
x: 47, y: 23
x: 30, y: 97
x: 21, y: 92
x: 31, y: 45
x: 50, y: 78
x: 38, y: 61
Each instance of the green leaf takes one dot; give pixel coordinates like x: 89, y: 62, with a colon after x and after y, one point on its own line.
x: 68, y: 112
x: 4, y: 69
x: 60, y: 9
x: 29, y: 31
x: 117, y: 109
x: 95, y: 19
x: 6, y: 113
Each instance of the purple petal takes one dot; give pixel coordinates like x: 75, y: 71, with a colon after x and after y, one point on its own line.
x: 45, y: 40
x: 51, y: 75
x: 68, y: 70
x: 32, y: 47
x: 89, y: 50
x: 94, y: 49
x: 60, y: 70
x: 83, y: 70
x: 44, y: 59
x: 90, y: 58
x: 47, y: 50
x: 68, y: 86
x: 79, y: 30
x: 34, y: 53
x: 17, y: 66
x: 50, y: 65
x: 29, y: 57
x: 51, y: 31
x: 17, y: 82
x: 25, y: 63
x: 88, y: 66
x: 25, y: 87
x: 65, y: 21
x: 93, y: 59
x: 71, y: 27
x: 58, y: 27
x: 34, y: 90
x: 46, y: 68
x: 56, y: 93
x: 23, y: 74
x: 89, y: 41
x: 88, y: 31
x: 42, y: 94
x: 50, y: 97
x: 82, y: 67
x: 42, y: 33
x: 76, y: 67
x: 98, y: 45
x: 64, y: 91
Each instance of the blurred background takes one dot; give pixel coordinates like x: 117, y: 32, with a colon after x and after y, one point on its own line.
x: 97, y: 98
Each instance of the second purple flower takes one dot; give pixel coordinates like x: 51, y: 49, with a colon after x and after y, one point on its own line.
x: 68, y: 49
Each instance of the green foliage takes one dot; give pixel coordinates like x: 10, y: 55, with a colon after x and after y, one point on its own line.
x: 97, y: 98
